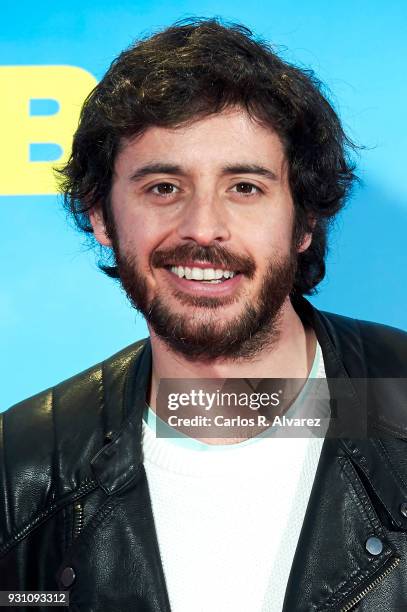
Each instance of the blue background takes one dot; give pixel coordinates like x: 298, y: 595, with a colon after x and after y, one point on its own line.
x: 59, y: 314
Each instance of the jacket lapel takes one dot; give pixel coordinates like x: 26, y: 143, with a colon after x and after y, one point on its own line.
x: 332, y: 566
x: 331, y: 563
x: 116, y: 556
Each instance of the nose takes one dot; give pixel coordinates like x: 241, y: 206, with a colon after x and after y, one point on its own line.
x: 204, y: 220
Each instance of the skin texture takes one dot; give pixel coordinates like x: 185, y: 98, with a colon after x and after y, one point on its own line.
x: 238, y: 217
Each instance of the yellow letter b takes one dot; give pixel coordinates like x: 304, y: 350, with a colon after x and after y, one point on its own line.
x: 39, y: 112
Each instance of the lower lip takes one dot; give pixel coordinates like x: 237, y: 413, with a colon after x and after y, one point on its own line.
x: 226, y: 287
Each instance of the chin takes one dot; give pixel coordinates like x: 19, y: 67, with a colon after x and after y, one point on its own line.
x: 208, y: 335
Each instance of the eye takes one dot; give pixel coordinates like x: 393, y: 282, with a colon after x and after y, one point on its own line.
x: 163, y: 189
x: 246, y: 189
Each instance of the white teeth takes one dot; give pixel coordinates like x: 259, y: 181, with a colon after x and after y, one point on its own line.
x: 199, y: 274
x: 178, y: 270
x: 209, y: 274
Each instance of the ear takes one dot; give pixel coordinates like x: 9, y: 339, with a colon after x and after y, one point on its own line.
x: 99, y: 227
x: 305, y: 242
x: 307, y: 238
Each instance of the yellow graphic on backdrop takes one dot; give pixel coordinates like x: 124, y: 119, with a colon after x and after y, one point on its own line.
x: 68, y: 86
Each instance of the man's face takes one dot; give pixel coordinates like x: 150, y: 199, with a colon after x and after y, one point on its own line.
x: 203, y: 233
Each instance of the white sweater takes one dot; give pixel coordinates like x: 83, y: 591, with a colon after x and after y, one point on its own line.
x: 228, y: 520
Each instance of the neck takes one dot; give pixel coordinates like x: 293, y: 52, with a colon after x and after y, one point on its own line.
x: 290, y: 356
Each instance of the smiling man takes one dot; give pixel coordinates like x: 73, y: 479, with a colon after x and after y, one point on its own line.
x: 208, y: 170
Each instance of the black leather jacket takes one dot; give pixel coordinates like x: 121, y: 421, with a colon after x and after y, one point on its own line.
x: 75, y: 510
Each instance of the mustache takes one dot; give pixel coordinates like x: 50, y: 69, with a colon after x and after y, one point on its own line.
x: 216, y: 255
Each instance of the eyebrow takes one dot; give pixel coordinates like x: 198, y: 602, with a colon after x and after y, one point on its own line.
x: 159, y: 168
x: 250, y: 169
x: 156, y: 168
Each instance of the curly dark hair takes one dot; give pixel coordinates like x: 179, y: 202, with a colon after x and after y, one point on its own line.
x: 195, y: 68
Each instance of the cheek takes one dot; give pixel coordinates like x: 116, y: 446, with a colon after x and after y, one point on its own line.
x: 271, y: 241
x: 140, y: 240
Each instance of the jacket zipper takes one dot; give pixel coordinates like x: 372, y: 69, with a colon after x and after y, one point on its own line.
x: 371, y: 586
x: 77, y: 519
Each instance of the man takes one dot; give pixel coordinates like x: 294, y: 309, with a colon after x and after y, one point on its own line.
x: 210, y: 169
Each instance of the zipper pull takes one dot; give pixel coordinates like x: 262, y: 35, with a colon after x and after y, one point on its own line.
x: 77, y: 519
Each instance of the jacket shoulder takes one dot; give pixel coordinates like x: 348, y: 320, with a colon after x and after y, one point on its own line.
x: 47, y: 441
x: 381, y: 348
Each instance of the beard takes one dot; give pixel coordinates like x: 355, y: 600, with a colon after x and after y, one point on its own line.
x: 203, y: 335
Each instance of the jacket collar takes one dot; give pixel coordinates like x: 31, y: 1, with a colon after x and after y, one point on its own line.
x: 358, y: 407
x: 119, y: 462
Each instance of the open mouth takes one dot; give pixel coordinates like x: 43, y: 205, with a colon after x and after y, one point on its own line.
x: 211, y: 276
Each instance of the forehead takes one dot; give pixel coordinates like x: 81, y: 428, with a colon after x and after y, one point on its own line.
x: 231, y: 136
